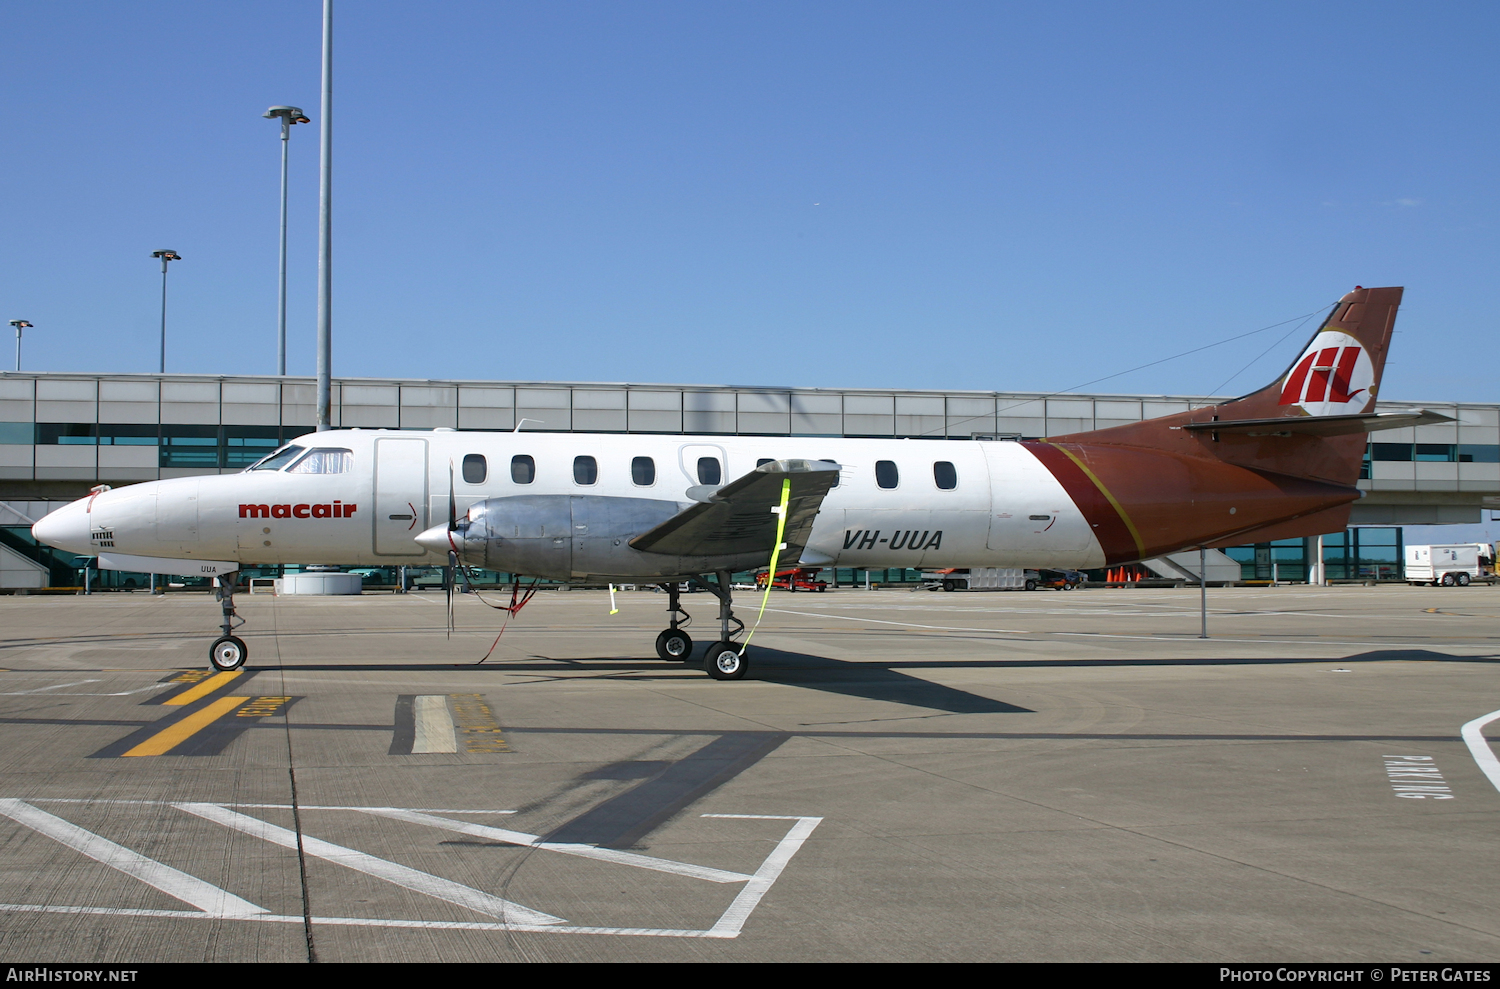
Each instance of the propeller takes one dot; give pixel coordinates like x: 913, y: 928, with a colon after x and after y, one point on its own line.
x: 452, y: 566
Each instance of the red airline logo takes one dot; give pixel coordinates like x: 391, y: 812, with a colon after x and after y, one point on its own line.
x: 1325, y: 373
x: 1334, y: 376
x: 338, y: 510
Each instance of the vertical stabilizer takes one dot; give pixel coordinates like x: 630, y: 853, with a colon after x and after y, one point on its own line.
x: 1338, y: 372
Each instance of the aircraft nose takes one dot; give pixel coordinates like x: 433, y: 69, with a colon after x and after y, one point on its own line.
x: 66, y: 529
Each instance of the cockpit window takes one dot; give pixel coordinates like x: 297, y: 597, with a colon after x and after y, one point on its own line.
x: 279, y: 459
x: 324, y: 460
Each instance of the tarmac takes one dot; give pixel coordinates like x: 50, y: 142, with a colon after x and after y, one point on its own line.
x: 903, y: 776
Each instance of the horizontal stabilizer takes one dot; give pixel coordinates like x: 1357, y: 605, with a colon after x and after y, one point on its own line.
x: 1321, y: 425
x: 738, y: 517
x: 157, y: 564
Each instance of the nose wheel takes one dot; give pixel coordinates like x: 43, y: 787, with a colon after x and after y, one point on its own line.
x: 227, y: 653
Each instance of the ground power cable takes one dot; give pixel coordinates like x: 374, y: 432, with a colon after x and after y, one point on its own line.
x: 291, y: 772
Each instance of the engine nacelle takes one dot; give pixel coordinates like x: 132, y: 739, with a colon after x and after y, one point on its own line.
x: 564, y: 537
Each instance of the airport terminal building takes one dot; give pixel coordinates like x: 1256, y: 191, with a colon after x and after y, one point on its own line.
x: 61, y: 434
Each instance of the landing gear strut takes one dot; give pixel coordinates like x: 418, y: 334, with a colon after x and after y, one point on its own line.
x: 723, y: 661
x: 228, y: 651
x: 673, y: 644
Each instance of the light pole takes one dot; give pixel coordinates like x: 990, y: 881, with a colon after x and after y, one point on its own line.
x: 19, y: 324
x: 289, y: 115
x: 325, y: 229
x: 165, y: 256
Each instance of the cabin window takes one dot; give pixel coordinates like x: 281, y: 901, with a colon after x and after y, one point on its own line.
x: 585, y: 470
x: 522, y: 469
x: 886, y: 474
x: 945, y: 474
x: 708, y: 471
x: 280, y: 458
x: 763, y: 461
x: 325, y: 460
x: 830, y: 460
x: 475, y: 468
x: 643, y: 472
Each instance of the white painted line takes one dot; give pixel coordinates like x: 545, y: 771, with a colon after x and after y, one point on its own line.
x: 434, y: 724
x: 55, y: 686
x: 428, y: 925
x: 877, y: 621
x: 566, y: 848
x: 206, y: 897
x: 391, y: 872
x: 158, y: 803
x: 1479, y: 747
x: 511, y: 916
x: 1186, y: 636
x: 419, y: 810
x: 733, y: 919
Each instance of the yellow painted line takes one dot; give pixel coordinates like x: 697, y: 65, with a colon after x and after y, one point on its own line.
x: 203, y: 689
x: 169, y: 738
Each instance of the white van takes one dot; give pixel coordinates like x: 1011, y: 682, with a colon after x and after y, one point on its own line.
x: 1447, y: 565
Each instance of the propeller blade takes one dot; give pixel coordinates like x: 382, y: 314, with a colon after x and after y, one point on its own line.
x: 452, y: 504
x: 448, y: 588
x: 452, y: 566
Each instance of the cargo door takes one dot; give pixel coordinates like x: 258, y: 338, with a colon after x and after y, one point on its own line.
x: 400, y: 496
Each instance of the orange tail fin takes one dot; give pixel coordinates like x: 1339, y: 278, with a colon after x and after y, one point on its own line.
x: 1282, y: 460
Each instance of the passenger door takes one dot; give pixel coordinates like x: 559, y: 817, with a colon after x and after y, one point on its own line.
x: 400, y: 496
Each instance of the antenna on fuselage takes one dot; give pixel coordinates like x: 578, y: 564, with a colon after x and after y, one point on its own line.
x: 539, y: 422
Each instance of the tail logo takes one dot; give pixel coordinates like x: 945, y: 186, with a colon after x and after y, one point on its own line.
x: 1334, y: 376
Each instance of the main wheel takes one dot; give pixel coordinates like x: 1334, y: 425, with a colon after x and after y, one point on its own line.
x: 1447, y: 580
x: 724, y: 662
x: 674, y: 646
x: 1463, y: 580
x: 227, y: 653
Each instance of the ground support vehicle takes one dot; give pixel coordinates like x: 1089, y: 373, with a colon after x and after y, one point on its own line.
x: 1454, y: 564
x: 794, y: 579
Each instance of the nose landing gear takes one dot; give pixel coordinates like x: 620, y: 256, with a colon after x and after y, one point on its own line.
x: 228, y: 651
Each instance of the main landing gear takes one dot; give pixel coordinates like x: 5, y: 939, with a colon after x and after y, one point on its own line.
x: 723, y: 660
x: 228, y: 651
x: 673, y: 644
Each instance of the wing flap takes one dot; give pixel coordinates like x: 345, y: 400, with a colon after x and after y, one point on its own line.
x: 737, y: 518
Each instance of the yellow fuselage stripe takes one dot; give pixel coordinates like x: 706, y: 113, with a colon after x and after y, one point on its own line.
x: 1140, y: 546
x: 169, y: 738
x: 203, y: 689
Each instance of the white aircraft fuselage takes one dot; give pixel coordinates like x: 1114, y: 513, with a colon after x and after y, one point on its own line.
x: 946, y: 504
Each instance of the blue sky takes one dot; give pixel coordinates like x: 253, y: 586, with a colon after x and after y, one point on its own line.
x: 865, y: 194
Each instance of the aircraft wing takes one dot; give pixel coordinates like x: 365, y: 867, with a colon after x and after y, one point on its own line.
x: 737, y: 518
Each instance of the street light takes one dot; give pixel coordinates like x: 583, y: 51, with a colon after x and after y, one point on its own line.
x: 288, y: 115
x: 165, y: 257
x: 19, y: 324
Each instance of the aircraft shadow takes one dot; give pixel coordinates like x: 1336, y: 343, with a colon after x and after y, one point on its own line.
x: 875, y: 681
